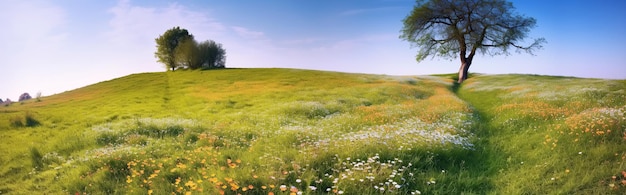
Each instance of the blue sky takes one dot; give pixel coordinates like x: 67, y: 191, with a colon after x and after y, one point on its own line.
x: 51, y: 46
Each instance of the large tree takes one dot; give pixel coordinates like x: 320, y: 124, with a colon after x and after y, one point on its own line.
x: 166, y: 46
x: 451, y: 28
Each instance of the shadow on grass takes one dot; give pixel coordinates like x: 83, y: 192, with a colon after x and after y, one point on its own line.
x: 455, y: 87
x: 455, y: 77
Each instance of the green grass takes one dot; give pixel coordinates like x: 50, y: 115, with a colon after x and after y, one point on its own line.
x: 554, y: 135
x: 261, y: 131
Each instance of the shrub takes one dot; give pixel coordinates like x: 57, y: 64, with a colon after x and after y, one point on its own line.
x: 16, y: 121
x: 191, y: 138
x: 155, y: 131
x: 135, y: 139
x: 27, y: 121
x: 38, y: 96
x: 309, y: 110
x: 108, y: 138
x: 36, y: 158
x: 30, y: 120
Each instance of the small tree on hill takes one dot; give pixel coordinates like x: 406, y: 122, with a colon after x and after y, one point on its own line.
x: 166, y: 46
x: 451, y: 28
x: 176, y: 48
x: 24, y: 97
x: 212, y: 55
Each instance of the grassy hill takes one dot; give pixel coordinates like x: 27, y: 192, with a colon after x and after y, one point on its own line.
x: 285, y: 131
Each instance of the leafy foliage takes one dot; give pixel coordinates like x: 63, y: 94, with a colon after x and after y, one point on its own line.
x: 212, y: 55
x: 176, y: 48
x: 451, y: 29
x: 27, y: 121
x: 187, y: 54
x: 166, y: 46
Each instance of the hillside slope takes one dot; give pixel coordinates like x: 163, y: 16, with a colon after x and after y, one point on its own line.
x: 260, y: 131
x: 553, y: 135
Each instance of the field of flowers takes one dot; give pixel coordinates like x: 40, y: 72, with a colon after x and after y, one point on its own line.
x: 285, y: 131
x: 556, y: 134
x: 248, y: 131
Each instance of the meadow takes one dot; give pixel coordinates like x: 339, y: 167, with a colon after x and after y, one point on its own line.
x: 287, y: 131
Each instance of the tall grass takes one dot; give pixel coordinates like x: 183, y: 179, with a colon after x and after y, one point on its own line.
x: 284, y: 131
x: 556, y: 134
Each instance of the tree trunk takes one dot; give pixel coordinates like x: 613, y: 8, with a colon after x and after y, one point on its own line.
x: 465, y: 64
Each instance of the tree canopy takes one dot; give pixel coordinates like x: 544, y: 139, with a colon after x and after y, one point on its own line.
x: 451, y: 28
x: 187, y: 54
x: 212, y: 55
x: 176, y: 48
x: 167, y: 43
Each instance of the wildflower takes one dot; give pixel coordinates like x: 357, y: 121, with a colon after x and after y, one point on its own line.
x: 283, y: 188
x: 234, y: 187
x: 580, y: 152
x: 432, y: 181
x: 313, y: 188
x: 213, y: 180
x: 298, y: 180
x: 340, y: 192
x: 190, y: 184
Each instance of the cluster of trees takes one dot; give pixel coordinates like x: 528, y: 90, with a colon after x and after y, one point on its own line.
x: 23, y: 97
x: 440, y: 28
x: 178, y: 49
